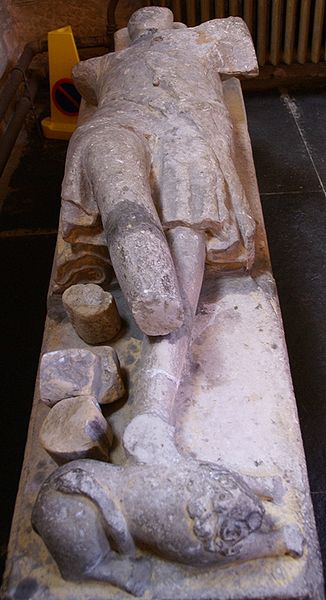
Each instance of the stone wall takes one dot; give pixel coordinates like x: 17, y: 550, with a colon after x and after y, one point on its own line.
x: 34, y: 18
x: 125, y: 9
x: 6, y: 37
x: 22, y: 21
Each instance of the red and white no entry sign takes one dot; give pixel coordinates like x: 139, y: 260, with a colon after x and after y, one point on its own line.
x: 65, y: 97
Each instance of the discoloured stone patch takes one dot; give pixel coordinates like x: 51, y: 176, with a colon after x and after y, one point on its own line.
x: 75, y: 428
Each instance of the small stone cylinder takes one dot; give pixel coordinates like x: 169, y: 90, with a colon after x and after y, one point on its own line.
x: 92, y: 312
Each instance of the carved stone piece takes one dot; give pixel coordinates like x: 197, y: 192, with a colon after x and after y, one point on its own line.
x: 157, y: 153
x: 75, y: 428
x: 68, y: 373
x: 93, y: 312
x: 80, y: 263
x: 204, y: 473
x: 193, y: 513
x: 112, y: 387
x: 80, y: 372
x: 149, y: 282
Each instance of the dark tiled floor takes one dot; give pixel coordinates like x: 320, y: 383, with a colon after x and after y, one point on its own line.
x: 279, y: 151
x: 25, y: 272
x: 289, y: 138
x: 34, y: 197
x: 288, y: 135
x: 312, y: 120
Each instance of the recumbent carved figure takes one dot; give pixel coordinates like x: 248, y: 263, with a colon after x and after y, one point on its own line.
x: 151, y: 176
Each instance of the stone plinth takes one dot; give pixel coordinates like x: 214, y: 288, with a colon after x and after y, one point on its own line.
x: 235, y: 407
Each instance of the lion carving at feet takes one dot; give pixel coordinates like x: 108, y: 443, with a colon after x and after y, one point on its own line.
x: 105, y: 522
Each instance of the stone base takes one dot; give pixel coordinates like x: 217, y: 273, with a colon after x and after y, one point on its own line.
x: 235, y: 407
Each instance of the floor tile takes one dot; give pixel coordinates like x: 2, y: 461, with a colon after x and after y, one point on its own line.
x: 281, y: 159
x: 319, y: 502
x: 312, y: 121
x: 35, y: 188
x: 296, y: 226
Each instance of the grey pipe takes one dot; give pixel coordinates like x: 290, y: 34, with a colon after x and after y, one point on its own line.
x: 17, y: 76
x: 10, y: 135
x: 18, y: 73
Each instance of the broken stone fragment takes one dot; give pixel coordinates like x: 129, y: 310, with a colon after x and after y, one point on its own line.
x: 144, y: 268
x: 67, y: 373
x: 112, y: 387
x: 92, y: 312
x: 80, y: 372
x: 75, y: 428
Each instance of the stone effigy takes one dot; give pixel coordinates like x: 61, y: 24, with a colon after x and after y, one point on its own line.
x: 157, y: 154
x: 205, y: 496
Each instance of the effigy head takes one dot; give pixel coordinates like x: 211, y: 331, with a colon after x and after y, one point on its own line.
x: 149, y: 20
x: 225, y: 513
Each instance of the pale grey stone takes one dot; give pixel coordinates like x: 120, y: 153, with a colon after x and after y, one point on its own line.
x: 149, y: 439
x: 158, y: 152
x: 121, y: 39
x: 234, y: 407
x: 162, y: 360
x: 75, y: 428
x: 216, y: 519
x: 92, y: 312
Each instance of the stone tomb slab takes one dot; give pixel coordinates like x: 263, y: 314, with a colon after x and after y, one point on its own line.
x: 235, y: 407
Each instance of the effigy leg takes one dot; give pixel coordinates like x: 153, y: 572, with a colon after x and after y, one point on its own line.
x: 162, y: 360
x: 118, y: 166
x: 82, y: 548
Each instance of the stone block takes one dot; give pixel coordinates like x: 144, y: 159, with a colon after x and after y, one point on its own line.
x: 112, y: 387
x: 75, y: 428
x: 68, y: 373
x: 80, y: 372
x: 92, y: 312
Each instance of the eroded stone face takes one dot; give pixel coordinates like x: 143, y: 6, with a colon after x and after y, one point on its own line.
x: 112, y: 387
x: 214, y: 520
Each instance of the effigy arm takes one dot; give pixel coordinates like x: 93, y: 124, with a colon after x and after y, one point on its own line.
x: 85, y: 75
x: 233, y: 43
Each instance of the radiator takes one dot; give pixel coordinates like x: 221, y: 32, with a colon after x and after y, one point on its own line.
x: 284, y: 31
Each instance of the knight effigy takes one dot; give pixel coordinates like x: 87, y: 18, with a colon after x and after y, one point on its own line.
x: 169, y: 477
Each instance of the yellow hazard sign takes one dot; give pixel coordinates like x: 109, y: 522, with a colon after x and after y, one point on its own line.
x: 65, y: 99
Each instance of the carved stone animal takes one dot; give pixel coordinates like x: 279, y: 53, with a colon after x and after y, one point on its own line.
x: 93, y: 515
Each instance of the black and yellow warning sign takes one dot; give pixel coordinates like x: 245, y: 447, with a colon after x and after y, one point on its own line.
x: 65, y: 99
